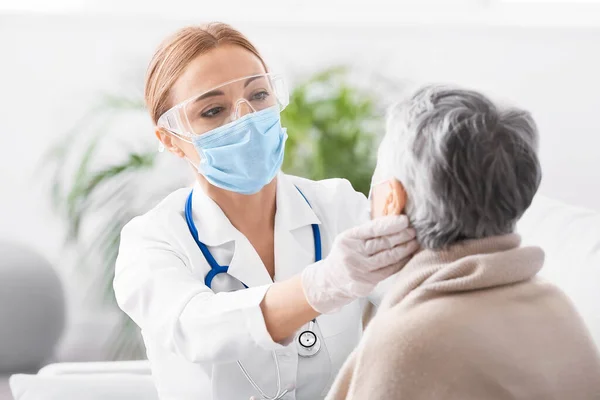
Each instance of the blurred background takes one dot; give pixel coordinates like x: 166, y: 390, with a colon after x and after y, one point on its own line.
x: 78, y: 156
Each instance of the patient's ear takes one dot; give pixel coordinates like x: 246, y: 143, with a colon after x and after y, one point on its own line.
x: 396, y: 198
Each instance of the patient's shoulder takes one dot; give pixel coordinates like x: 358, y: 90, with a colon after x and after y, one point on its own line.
x: 428, y: 322
x: 396, y: 350
x: 421, y: 330
x: 410, y: 331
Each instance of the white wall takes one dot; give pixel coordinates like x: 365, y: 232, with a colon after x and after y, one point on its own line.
x: 53, y: 68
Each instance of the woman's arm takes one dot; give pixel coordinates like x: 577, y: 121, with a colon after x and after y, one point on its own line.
x: 360, y: 258
x: 285, y: 308
x: 155, y: 286
x: 174, y: 308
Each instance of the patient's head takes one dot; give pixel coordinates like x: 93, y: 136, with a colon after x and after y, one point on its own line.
x: 459, y: 166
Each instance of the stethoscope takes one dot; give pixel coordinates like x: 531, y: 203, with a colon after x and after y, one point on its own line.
x: 307, y: 342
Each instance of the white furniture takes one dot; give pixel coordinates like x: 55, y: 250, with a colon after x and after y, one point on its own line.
x: 126, y: 380
x: 32, y: 310
x: 569, y: 235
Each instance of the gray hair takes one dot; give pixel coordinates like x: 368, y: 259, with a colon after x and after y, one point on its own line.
x: 470, y: 168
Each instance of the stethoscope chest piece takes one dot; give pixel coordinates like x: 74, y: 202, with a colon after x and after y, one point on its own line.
x: 307, y: 342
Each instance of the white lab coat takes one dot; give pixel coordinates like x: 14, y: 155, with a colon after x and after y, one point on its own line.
x: 193, y: 336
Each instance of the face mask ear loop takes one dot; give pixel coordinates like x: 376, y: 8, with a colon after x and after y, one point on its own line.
x: 161, y: 145
x: 369, y: 200
x: 177, y: 135
x: 197, y: 168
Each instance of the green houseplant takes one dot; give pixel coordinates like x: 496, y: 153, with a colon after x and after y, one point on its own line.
x: 332, y: 126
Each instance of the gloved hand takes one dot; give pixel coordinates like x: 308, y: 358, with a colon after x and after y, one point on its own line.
x: 360, y: 258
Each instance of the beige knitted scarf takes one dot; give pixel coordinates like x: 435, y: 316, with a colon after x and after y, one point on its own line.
x: 473, y: 322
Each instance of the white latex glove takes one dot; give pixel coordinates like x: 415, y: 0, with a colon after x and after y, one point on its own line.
x: 360, y: 258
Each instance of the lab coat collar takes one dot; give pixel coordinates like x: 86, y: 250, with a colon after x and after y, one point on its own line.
x: 214, y: 228
x: 293, y: 211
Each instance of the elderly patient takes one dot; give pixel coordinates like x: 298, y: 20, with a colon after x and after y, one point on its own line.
x: 466, y: 318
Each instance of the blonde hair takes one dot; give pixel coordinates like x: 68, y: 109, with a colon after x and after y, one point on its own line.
x: 177, y: 51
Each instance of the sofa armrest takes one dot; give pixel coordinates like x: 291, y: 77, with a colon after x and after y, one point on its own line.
x: 141, y: 367
x: 570, y: 237
x: 104, y: 386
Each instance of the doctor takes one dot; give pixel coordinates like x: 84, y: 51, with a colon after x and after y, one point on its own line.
x: 245, y: 286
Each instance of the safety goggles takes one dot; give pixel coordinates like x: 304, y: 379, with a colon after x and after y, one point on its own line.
x: 225, y: 103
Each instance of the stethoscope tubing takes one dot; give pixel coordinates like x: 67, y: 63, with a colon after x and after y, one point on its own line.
x: 216, y: 268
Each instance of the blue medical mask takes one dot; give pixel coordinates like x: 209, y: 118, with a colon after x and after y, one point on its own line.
x: 244, y: 155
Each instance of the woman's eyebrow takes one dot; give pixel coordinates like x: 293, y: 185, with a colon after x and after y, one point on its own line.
x: 249, y: 80
x: 212, y: 93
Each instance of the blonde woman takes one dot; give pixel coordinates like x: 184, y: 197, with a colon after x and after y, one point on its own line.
x: 246, y: 285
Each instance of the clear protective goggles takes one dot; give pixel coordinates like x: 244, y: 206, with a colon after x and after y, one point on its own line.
x: 225, y: 103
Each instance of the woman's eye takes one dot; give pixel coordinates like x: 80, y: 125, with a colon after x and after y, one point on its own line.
x: 262, y: 95
x: 212, y: 112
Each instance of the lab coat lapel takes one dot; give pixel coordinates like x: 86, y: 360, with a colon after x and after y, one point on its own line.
x: 215, y: 229
x: 247, y: 266
x: 294, y: 242
x: 291, y: 254
x: 294, y: 245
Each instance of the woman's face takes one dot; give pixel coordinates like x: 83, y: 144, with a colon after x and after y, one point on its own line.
x: 222, y: 64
